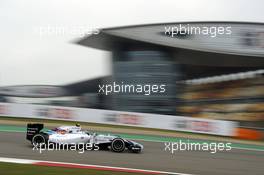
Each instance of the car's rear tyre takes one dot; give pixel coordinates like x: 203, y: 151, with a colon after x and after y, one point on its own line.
x: 118, y: 145
x: 38, y: 140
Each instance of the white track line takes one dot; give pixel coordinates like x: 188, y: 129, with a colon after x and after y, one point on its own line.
x: 249, y: 149
x: 14, y: 160
x: 88, y: 166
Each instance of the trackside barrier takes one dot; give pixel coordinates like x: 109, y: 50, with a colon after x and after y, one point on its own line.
x: 248, y: 134
x: 167, y: 122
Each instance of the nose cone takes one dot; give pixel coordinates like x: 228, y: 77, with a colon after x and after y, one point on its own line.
x: 141, y: 146
x: 138, y: 145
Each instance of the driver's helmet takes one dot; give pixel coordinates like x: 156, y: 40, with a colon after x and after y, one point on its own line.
x: 78, y: 125
x: 60, y: 131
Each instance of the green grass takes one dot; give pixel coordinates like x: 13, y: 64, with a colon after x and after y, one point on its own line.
x: 23, y: 169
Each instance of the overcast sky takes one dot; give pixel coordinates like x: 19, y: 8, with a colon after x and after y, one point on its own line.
x: 30, y: 57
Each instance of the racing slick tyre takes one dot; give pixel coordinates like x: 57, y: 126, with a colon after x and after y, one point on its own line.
x: 118, y: 145
x: 39, y: 140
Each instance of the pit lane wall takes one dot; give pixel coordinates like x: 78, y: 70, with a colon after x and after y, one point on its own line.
x: 167, y: 122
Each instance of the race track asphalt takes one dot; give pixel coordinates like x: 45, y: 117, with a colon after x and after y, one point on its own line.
x: 154, y: 157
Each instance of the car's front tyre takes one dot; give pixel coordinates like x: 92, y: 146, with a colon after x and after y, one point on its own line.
x: 118, y: 145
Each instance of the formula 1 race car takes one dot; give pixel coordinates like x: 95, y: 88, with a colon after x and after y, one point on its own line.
x: 75, y: 135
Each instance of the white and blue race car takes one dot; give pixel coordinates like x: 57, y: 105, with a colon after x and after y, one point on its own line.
x: 75, y: 135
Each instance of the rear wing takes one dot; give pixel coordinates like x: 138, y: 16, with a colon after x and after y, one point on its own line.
x: 33, y: 129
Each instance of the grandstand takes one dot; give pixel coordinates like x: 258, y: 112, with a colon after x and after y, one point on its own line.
x: 219, y: 77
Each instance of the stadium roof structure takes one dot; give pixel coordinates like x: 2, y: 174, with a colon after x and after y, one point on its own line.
x: 245, y: 42
x: 205, y: 59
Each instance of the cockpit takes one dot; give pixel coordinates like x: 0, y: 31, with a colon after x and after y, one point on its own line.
x: 67, y: 129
